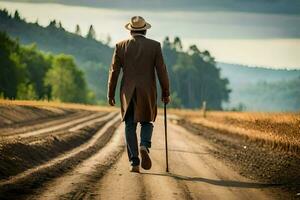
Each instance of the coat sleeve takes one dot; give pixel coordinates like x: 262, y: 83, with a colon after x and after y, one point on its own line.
x: 162, y: 72
x: 114, y: 72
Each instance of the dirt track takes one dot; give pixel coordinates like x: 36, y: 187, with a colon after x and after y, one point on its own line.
x: 98, y: 167
x: 194, y: 174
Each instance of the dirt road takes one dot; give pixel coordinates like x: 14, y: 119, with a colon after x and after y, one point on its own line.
x: 194, y: 173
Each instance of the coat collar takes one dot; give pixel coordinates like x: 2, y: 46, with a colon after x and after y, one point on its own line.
x: 137, y: 35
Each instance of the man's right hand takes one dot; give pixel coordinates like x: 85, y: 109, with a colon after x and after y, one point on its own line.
x: 165, y: 100
x: 111, y: 101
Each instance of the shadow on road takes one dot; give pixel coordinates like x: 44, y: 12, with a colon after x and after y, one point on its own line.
x: 179, y: 151
x: 224, y: 183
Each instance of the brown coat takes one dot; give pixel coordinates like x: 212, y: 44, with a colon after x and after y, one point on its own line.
x: 139, y: 58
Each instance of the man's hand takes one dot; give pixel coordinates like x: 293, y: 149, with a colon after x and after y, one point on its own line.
x: 111, y: 101
x: 165, y: 100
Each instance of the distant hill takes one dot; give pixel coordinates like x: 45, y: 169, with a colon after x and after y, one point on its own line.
x: 259, y: 6
x: 262, y: 89
x: 241, y: 75
x: 56, y: 39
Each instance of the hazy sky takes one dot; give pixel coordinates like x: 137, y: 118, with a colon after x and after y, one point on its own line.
x: 235, y: 37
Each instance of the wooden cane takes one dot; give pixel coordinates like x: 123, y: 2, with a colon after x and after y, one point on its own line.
x: 166, y: 137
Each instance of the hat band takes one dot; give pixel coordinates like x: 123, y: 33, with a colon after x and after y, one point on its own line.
x: 138, y: 27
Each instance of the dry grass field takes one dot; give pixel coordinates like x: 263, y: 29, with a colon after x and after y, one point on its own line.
x: 280, y: 130
x: 54, y: 104
x: 18, y: 111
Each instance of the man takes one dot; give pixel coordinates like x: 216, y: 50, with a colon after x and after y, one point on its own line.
x: 139, y: 58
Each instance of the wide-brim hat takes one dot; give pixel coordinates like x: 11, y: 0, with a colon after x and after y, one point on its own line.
x: 137, y: 23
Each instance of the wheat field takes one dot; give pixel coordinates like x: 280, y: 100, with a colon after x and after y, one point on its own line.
x: 48, y: 104
x: 280, y: 130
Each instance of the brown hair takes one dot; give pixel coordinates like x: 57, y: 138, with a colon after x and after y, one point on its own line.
x: 139, y: 32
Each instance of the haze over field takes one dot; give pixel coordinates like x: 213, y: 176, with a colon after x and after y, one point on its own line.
x: 246, y: 33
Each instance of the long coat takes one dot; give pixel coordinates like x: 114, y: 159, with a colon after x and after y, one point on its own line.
x: 139, y: 58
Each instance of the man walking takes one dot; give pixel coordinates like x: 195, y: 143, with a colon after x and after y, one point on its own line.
x: 139, y: 58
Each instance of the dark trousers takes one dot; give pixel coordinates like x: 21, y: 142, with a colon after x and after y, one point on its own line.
x: 131, y: 137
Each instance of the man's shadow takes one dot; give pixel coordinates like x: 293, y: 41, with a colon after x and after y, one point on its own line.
x: 223, y: 183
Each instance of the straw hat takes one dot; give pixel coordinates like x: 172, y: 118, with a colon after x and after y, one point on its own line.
x: 137, y: 23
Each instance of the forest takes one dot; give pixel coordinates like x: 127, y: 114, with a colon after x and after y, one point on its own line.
x: 27, y: 73
x: 193, y: 73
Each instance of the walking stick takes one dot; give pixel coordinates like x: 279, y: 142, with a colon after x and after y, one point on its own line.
x: 166, y: 137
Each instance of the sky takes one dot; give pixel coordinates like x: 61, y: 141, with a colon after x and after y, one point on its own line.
x: 256, y: 39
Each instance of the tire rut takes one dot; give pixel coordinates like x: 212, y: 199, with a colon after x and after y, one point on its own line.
x: 26, y: 182
x: 39, y: 124
x: 19, y: 156
x: 79, y: 183
x: 53, y: 128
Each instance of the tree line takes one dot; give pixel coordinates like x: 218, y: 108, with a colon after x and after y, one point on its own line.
x: 194, y: 76
x: 27, y: 73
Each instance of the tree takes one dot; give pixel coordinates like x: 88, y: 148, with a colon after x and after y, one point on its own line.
x: 60, y: 26
x: 91, y: 33
x: 177, y: 44
x: 166, y: 43
x: 53, y: 24
x: 37, y: 64
x: 4, y: 13
x: 96, y: 75
x: 66, y: 81
x: 17, y: 15
x: 193, y: 49
x: 192, y: 78
x: 27, y: 73
x: 26, y: 92
x: 207, y: 57
x: 78, y: 30
x: 36, y: 22
x: 12, y: 71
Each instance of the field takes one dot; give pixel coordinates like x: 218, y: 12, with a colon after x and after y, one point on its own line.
x: 52, y: 150
x: 280, y: 130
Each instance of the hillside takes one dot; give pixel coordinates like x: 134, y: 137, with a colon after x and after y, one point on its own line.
x: 240, y: 75
x: 56, y: 40
x: 262, y: 89
x: 92, y: 56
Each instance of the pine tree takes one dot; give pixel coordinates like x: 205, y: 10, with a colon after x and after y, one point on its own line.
x: 36, y: 22
x: 60, y: 25
x: 4, y: 13
x: 166, y: 43
x: 193, y: 49
x: 78, y: 30
x: 53, y: 24
x: 91, y: 34
x: 177, y: 44
x: 17, y: 15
